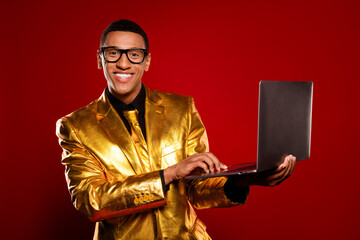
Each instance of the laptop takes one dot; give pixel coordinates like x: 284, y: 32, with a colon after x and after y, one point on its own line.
x: 284, y: 127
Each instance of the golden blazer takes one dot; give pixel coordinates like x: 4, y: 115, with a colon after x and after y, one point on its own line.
x: 108, y: 183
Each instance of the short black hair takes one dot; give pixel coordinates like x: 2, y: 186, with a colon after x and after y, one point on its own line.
x: 125, y: 26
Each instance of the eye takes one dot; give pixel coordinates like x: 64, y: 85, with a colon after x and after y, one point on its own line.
x: 113, y: 53
x: 135, y: 54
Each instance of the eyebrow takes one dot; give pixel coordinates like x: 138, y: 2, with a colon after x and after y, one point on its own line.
x: 124, y: 48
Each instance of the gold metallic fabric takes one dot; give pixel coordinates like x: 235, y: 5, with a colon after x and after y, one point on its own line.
x: 108, y: 184
x: 136, y: 135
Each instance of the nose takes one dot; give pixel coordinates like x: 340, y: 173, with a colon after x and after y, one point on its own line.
x: 123, y: 63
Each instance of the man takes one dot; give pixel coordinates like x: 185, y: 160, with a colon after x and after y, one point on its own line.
x: 127, y: 153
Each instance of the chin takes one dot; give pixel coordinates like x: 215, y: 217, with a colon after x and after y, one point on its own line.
x: 125, y: 90
x: 122, y: 91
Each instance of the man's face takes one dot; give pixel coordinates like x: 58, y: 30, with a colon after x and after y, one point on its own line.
x: 123, y: 77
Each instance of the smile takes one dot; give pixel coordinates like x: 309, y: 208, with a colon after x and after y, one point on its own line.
x: 123, y: 75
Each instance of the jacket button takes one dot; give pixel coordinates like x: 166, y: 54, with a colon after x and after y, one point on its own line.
x: 146, y: 197
x: 141, y: 199
x: 136, y: 200
x: 151, y: 196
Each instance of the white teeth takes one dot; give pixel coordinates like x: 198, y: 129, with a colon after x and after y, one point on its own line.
x: 123, y: 75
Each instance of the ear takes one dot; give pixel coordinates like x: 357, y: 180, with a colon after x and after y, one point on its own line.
x: 99, y: 62
x: 147, y: 62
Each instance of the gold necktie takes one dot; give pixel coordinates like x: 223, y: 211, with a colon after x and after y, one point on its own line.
x: 138, y: 138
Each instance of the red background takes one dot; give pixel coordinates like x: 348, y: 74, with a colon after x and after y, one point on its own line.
x: 216, y: 51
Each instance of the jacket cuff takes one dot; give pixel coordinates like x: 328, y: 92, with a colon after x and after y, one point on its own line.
x: 146, y: 195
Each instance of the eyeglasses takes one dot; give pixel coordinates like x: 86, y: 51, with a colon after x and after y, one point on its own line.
x: 134, y: 55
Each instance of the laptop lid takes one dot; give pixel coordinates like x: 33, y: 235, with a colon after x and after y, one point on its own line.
x: 284, y: 122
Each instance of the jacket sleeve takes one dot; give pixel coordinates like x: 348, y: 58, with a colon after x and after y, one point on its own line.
x: 206, y: 192
x: 93, y: 191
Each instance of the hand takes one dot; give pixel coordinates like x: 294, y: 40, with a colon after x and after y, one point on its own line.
x: 271, y: 177
x: 205, y: 161
x: 278, y: 175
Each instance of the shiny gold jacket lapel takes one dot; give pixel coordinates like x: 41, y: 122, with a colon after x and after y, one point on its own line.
x: 154, y: 116
x: 112, y: 124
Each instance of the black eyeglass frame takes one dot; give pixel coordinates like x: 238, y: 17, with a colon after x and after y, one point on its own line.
x: 102, y: 49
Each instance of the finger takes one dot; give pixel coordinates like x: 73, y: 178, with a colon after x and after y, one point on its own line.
x: 293, y: 165
x: 223, y: 166
x: 218, y: 165
x: 217, y: 162
x: 278, y: 174
x: 289, y: 169
x: 275, y: 178
x: 287, y: 173
x: 209, y: 162
x: 205, y: 158
x: 288, y: 165
x: 285, y: 162
x: 201, y: 165
x: 189, y: 165
x: 280, y: 169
